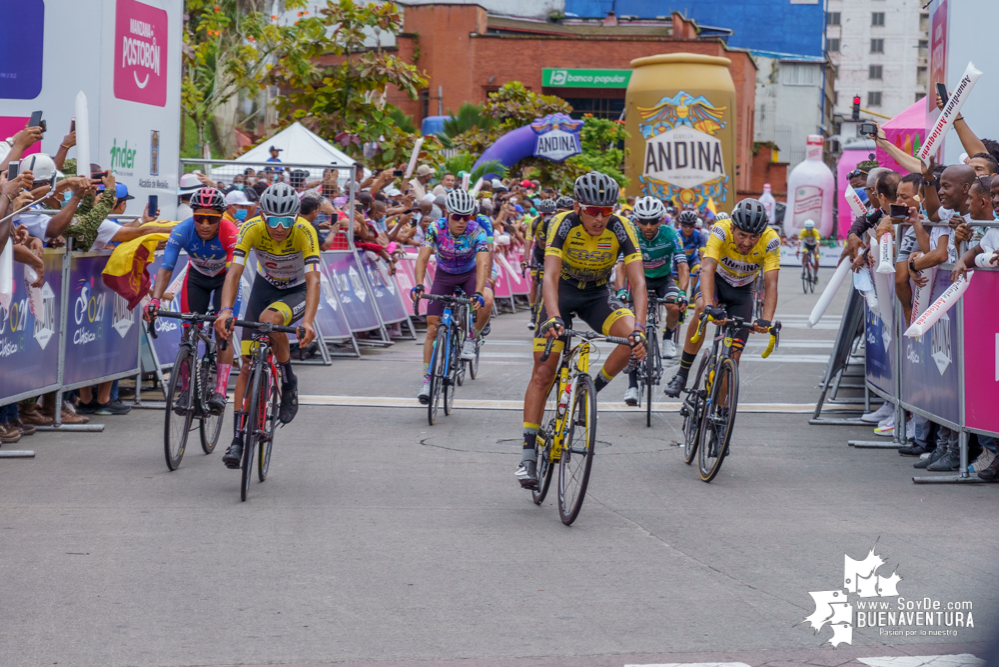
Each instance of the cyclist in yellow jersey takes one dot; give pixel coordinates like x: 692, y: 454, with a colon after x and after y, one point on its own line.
x: 737, y: 250
x: 809, y: 238
x: 285, y: 290
x: 581, y: 249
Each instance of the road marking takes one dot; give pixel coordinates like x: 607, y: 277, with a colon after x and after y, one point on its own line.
x: 961, y: 660
x: 694, y: 664
x: 472, y: 404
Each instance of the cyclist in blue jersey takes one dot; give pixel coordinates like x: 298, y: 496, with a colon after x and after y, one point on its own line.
x: 209, y: 240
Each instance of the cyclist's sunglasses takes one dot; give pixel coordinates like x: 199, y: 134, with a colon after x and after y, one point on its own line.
x: 207, y: 218
x: 646, y: 223
x: 459, y: 217
x: 597, y: 211
x: 275, y: 222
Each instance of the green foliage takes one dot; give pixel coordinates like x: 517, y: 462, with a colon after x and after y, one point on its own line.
x: 465, y: 161
x: 336, y: 86
x: 469, y: 116
x: 403, y: 121
x: 599, y: 138
x: 515, y: 106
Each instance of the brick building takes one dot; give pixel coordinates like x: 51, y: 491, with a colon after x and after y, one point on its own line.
x: 468, y: 52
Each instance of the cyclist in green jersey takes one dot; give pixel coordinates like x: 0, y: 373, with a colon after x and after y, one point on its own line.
x: 661, y: 251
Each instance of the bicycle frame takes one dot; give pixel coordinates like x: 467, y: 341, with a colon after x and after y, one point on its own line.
x: 567, y: 390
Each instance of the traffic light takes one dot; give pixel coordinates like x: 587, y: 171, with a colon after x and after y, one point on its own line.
x: 856, y: 107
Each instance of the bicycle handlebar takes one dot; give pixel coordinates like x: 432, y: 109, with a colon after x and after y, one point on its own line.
x: 588, y: 335
x: 265, y: 327
x: 737, y: 322
x: 188, y: 317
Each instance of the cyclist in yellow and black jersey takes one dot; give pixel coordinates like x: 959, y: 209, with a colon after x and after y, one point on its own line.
x: 810, y: 238
x: 581, y: 250
x: 737, y: 250
x: 285, y: 290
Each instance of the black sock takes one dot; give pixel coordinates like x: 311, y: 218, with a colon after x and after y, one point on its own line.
x: 287, y: 375
x: 686, y: 361
x: 633, y: 379
x: 669, y: 333
x: 601, y: 381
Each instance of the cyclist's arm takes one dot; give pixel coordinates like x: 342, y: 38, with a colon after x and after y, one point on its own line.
x: 229, y: 291
x: 163, y: 277
x: 639, y: 295
x: 483, y: 269
x: 170, y: 255
x: 708, y: 266
x: 619, y: 276
x: 311, y: 306
x: 682, y: 273
x: 769, y: 294
x: 421, y: 263
x: 549, y: 288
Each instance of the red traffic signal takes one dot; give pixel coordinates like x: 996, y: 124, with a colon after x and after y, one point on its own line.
x: 856, y: 107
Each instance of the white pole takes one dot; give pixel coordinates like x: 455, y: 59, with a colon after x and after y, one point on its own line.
x: 82, y: 136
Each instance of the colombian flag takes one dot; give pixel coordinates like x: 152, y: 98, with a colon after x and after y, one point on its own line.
x: 711, y: 206
x: 126, y: 273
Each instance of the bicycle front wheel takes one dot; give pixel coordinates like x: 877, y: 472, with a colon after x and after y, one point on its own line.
x: 806, y: 274
x: 719, y: 418
x: 543, y: 443
x: 179, y: 408
x: 211, y: 424
x: 473, y: 365
x: 438, y: 364
x: 271, y: 419
x: 576, y: 458
x: 255, y: 420
x: 455, y: 371
x: 653, y: 370
x: 693, y: 411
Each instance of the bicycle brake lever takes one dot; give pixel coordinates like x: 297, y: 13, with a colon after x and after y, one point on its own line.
x: 151, y: 327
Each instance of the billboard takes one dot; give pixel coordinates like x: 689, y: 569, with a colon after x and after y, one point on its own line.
x: 132, y: 83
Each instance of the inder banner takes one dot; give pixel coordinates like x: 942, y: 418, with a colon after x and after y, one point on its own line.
x: 29, y: 332
x: 358, y: 304
x: 102, y: 333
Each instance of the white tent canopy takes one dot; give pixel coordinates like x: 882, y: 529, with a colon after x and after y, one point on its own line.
x: 300, y: 146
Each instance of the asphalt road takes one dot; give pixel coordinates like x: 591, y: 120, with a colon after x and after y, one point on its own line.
x: 378, y: 539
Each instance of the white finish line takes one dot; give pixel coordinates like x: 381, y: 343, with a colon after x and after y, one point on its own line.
x: 468, y: 404
x: 960, y: 660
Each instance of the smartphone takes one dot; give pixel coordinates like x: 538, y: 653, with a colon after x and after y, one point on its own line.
x: 72, y: 125
x: 898, y: 211
x: 12, y: 169
x: 412, y: 223
x: 36, y: 119
x: 358, y: 207
x: 868, y: 129
x: 98, y: 175
x: 398, y: 173
x: 942, y: 92
x: 154, y: 204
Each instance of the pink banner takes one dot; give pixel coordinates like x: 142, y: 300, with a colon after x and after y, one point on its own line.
x: 981, y: 352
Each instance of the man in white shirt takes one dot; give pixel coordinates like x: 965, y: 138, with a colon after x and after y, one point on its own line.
x: 423, y: 175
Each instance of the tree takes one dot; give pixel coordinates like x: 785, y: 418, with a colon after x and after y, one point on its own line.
x: 337, y: 86
x: 469, y: 117
x: 229, y: 47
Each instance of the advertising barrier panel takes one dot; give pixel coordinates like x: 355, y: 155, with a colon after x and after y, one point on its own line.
x: 102, y: 333
x: 29, y: 333
x: 330, y: 315
x: 168, y: 331
x: 358, y: 305
x: 384, y: 290
x: 981, y: 352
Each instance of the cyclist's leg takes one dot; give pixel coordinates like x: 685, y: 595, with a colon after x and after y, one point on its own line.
x: 485, y: 312
x: 223, y: 358
x: 542, y: 377
x: 259, y: 297
x: 286, y: 308
x: 737, y: 302
x: 593, y: 308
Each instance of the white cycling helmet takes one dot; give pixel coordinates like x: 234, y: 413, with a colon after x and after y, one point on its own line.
x: 809, y: 224
x: 460, y: 202
x: 280, y: 200
x: 649, y: 208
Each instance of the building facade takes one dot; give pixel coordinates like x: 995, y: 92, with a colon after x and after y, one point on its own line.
x: 881, y: 52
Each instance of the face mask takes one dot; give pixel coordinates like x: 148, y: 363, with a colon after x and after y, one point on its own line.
x: 238, y: 186
x: 241, y: 214
x: 863, y: 195
x: 66, y: 196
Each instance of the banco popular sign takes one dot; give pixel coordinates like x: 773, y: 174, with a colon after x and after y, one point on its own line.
x: 683, y: 160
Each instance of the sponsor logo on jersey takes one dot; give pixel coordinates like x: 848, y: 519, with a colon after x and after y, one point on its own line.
x: 718, y: 231
x: 773, y: 245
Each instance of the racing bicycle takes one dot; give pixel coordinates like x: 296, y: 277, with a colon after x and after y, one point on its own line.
x: 809, y: 273
x: 262, y: 402
x: 567, y: 434
x: 447, y: 370
x: 709, y: 407
x: 759, y: 291
x: 192, y: 381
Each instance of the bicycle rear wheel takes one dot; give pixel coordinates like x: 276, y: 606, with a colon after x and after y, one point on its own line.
x: 806, y: 274
x: 438, y: 362
x: 255, y: 417
x: 210, y: 424
x: 271, y: 420
x: 693, y: 406
x: 179, y: 408
x: 473, y: 365
x: 455, y: 371
x: 576, y: 458
x: 653, y: 369
x: 719, y: 418
x: 543, y: 445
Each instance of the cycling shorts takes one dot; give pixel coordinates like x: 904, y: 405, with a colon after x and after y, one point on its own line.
x: 738, y: 302
x: 444, y: 285
x: 289, y: 302
x: 665, y: 287
x: 202, y: 294
x: 590, y: 304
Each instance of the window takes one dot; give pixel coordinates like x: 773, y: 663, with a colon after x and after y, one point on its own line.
x: 834, y: 45
x: 799, y: 74
x: 836, y: 98
x: 920, y: 96
x: 920, y: 76
x: 874, y: 99
x: 924, y: 22
x: 877, y: 46
x: 924, y: 49
x: 832, y: 18
x: 610, y: 109
x: 875, y: 72
x: 877, y: 18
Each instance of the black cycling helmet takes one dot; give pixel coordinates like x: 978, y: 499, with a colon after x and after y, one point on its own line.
x: 596, y: 189
x: 564, y: 202
x: 546, y: 206
x: 687, y: 218
x: 750, y: 216
x: 208, y: 198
